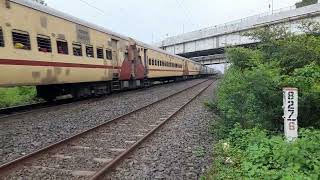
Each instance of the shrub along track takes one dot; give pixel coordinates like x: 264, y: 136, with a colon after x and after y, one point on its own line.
x: 95, y: 151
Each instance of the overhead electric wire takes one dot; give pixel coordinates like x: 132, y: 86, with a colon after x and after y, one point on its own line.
x: 187, y: 13
x: 92, y: 6
x: 116, y: 23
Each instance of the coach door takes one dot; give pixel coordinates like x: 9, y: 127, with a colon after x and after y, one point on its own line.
x: 145, y: 57
x: 115, y: 56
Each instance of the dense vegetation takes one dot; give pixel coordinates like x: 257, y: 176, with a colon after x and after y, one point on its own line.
x: 306, y: 3
x: 250, y: 98
x: 253, y: 154
x: 17, y: 96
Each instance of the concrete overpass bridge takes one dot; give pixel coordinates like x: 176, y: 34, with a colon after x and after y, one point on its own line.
x: 207, y: 45
x: 211, y: 59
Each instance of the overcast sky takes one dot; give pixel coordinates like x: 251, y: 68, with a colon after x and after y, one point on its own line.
x: 152, y: 20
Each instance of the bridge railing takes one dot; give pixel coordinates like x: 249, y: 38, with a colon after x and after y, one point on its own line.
x: 241, y: 23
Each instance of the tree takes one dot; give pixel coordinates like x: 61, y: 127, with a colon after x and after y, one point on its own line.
x: 306, y: 3
x: 251, y: 91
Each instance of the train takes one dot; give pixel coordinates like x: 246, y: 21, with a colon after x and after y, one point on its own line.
x: 60, y: 54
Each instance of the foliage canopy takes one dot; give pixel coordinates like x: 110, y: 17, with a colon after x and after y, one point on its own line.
x: 251, y: 91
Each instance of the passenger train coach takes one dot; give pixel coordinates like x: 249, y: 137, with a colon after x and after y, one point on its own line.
x: 61, y: 54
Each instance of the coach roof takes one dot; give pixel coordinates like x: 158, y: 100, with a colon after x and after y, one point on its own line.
x: 76, y: 20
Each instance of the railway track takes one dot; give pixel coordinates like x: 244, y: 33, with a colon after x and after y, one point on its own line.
x: 29, y: 108
x: 94, y: 152
x: 24, y: 109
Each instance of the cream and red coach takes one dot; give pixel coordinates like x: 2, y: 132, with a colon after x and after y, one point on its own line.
x: 61, y: 54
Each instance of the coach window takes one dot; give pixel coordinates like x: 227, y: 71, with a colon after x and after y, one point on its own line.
x: 100, y: 54
x: 126, y: 55
x: 150, y: 61
x: 89, y: 51
x: 1, y: 38
x: 109, y: 54
x: 21, y: 40
x: 62, y: 46
x: 44, y: 43
x: 77, y: 49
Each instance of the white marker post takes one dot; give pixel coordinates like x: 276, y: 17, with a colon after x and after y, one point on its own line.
x: 290, y: 107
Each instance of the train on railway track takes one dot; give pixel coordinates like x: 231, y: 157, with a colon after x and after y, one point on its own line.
x: 61, y: 54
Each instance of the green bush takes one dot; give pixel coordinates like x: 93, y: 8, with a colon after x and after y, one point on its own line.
x: 251, y: 91
x: 307, y: 80
x: 17, y: 96
x: 244, y: 58
x: 250, y: 97
x: 253, y: 154
x: 305, y: 3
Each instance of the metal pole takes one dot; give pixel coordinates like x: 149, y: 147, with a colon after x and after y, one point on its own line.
x: 182, y: 28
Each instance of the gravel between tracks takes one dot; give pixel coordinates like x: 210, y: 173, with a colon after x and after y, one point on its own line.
x: 180, y: 150
x: 25, y: 133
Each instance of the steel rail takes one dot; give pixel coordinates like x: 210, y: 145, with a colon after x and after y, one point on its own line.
x: 25, y: 109
x: 109, y: 166
x: 7, y: 167
x: 29, y: 108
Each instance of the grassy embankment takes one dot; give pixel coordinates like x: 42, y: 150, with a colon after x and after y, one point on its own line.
x: 17, y: 96
x: 249, y: 131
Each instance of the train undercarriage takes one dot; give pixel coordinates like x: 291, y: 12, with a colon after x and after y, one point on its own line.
x: 95, y: 89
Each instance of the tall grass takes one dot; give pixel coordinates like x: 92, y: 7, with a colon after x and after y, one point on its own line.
x: 17, y: 96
